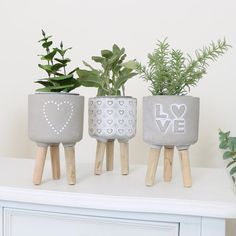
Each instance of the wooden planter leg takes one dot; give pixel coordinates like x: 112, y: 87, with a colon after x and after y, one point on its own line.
x: 124, y: 158
x: 109, y: 155
x: 55, y: 160
x: 186, y: 171
x: 154, y: 155
x: 39, y: 164
x: 101, y: 146
x: 70, y: 164
x: 168, y: 162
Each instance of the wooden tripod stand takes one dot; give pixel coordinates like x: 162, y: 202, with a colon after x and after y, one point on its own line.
x: 55, y: 161
x: 154, y: 156
x: 109, y: 148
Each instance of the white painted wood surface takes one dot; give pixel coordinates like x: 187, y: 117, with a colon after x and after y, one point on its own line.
x: 210, y: 196
x: 17, y: 223
x: 113, y: 203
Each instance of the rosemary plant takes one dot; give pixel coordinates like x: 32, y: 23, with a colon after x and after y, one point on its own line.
x: 170, y: 72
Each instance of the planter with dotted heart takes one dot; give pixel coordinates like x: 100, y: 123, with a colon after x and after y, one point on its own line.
x: 110, y: 118
x: 170, y: 121
x: 55, y: 118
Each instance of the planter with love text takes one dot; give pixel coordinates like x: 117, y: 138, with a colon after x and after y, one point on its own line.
x: 110, y: 118
x: 55, y: 118
x: 170, y: 121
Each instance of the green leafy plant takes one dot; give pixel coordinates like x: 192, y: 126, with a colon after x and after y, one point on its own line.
x: 110, y: 79
x: 170, y: 72
x: 58, y: 79
x: 228, y: 144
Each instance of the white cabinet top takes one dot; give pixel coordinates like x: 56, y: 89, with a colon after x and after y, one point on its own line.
x: 211, y: 194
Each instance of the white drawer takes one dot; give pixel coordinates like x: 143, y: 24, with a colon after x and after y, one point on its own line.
x: 37, y: 223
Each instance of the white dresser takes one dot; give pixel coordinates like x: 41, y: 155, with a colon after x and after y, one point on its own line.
x: 112, y: 204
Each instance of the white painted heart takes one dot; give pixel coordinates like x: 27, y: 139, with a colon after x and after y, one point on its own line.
x: 178, y: 110
x: 109, y: 102
x: 58, y: 106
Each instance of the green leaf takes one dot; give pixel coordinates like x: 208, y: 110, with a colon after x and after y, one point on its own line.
x: 88, y: 78
x: 115, y: 49
x: 62, y: 52
x: 55, y: 88
x: 64, y: 77
x: 123, y: 79
x: 106, y: 53
x: 229, y: 154
x: 56, y: 67
x: 223, y: 145
x: 47, y: 44
x: 44, y: 39
x: 98, y: 59
x: 47, y: 68
x: 63, y: 61
x: 231, y: 163
x: 44, y: 83
x: 90, y: 82
x: 89, y: 66
x: 130, y: 65
x: 49, y: 56
x: 233, y: 171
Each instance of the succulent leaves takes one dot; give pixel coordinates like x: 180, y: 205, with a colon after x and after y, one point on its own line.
x: 55, y: 65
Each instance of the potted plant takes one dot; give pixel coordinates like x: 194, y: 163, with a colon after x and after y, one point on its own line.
x: 112, y: 115
x: 228, y: 144
x: 54, y: 115
x: 170, y: 118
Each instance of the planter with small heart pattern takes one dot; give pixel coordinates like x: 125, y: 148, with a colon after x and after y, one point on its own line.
x: 170, y: 121
x: 110, y: 118
x: 55, y: 118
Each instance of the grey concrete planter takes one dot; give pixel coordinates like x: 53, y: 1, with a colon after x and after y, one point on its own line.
x: 170, y: 121
x: 55, y: 118
x: 112, y: 118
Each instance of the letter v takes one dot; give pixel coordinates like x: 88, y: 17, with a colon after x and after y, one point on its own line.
x: 163, y: 125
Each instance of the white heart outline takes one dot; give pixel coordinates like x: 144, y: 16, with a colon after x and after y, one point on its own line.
x: 58, y: 104
x: 178, y: 106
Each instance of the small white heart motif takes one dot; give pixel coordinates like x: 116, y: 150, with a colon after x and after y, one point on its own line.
x: 121, y: 112
x: 109, y: 102
x: 64, y: 110
x: 178, y: 110
x: 99, y: 102
x: 109, y: 112
x: 99, y: 112
x: 109, y: 131
x: 121, y: 103
x: 99, y: 121
x: 109, y: 121
x: 121, y: 121
x: 121, y: 131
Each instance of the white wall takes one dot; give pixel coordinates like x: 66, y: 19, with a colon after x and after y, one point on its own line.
x: 89, y: 26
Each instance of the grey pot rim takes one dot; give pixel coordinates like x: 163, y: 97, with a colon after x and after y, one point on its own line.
x: 116, y: 97
x: 174, y: 96
x: 56, y: 93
